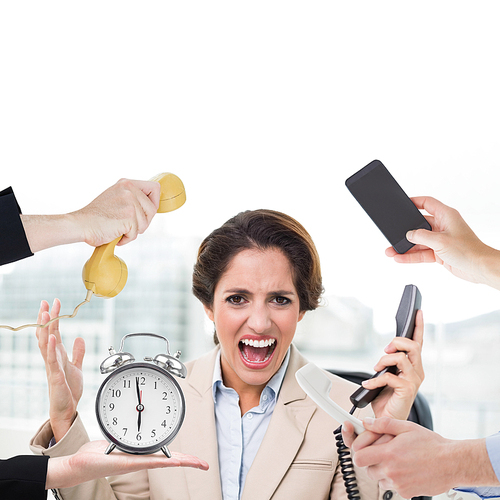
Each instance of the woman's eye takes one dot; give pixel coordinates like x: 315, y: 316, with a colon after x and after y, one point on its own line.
x: 235, y: 299
x: 281, y: 300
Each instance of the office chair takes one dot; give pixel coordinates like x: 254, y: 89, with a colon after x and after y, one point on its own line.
x: 420, y: 412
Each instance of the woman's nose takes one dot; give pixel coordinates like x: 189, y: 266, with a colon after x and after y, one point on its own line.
x: 259, y: 319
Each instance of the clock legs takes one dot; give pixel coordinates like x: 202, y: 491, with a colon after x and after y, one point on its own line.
x: 110, y: 448
x: 164, y: 449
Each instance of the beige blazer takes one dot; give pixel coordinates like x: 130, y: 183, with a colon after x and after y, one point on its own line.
x: 296, y: 460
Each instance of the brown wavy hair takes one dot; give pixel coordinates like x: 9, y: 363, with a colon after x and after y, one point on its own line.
x: 260, y: 229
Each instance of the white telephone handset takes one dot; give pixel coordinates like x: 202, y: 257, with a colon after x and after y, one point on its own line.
x: 317, y: 386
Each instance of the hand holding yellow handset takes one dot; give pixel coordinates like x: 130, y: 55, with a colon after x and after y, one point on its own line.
x: 105, y: 274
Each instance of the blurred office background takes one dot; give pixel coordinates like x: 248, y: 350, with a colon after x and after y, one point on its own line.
x: 253, y: 105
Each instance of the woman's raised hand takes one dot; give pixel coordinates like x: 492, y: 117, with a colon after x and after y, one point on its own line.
x: 64, y: 377
x: 397, y: 398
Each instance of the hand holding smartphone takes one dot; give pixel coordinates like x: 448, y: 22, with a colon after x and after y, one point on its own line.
x: 387, y: 204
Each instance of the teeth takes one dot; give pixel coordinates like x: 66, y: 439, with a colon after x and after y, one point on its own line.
x: 258, y: 343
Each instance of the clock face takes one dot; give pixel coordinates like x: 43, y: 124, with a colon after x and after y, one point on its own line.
x: 140, y: 408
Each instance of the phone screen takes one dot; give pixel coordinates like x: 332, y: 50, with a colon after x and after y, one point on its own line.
x: 387, y: 204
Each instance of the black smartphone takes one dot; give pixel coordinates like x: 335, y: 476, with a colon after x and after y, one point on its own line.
x: 387, y: 204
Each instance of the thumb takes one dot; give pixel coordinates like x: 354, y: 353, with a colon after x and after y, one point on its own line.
x: 422, y: 237
x: 387, y: 425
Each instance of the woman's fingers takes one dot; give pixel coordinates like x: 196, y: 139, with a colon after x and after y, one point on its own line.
x: 406, y: 364
x: 405, y: 353
x: 54, y: 327
x: 53, y: 363
x: 409, y: 376
x: 78, y: 352
x: 402, y: 386
x: 405, y: 344
x: 42, y: 334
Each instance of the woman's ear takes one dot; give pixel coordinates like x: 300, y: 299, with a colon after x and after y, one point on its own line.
x: 209, y: 313
x: 301, y: 315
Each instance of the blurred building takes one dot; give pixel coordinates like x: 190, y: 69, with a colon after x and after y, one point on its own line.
x: 463, y: 375
x: 339, y: 334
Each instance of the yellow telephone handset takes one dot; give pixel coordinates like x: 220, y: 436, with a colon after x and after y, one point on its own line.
x: 105, y: 274
x: 172, y: 195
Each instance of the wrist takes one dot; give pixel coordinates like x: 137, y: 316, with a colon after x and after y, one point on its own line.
x: 46, y: 231
x: 54, y: 469
x: 61, y: 426
x: 469, y: 463
x: 490, y: 267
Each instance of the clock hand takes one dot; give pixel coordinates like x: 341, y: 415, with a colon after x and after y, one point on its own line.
x: 138, y: 391
x: 139, y: 406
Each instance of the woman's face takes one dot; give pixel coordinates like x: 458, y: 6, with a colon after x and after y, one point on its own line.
x: 255, y: 311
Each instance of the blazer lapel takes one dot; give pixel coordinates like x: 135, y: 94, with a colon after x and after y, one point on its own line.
x: 284, y: 435
x: 199, y: 436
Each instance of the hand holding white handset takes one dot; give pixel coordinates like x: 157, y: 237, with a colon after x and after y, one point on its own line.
x: 317, y: 386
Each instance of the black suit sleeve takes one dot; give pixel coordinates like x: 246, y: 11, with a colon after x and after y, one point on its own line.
x: 13, y: 242
x: 23, y: 477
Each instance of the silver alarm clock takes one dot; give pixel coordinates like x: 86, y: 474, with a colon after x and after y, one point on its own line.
x: 140, y: 406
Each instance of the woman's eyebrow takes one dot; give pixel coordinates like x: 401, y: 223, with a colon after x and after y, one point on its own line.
x: 248, y: 292
x: 282, y: 292
x: 237, y: 290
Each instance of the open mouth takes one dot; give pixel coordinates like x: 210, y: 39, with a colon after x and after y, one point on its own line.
x: 257, y: 351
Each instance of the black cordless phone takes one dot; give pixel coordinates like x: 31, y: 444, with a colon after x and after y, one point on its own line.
x: 383, y: 199
x: 405, y: 324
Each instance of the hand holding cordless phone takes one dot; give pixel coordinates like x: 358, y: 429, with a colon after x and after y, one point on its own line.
x: 387, y: 204
x: 405, y: 324
x: 317, y: 385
